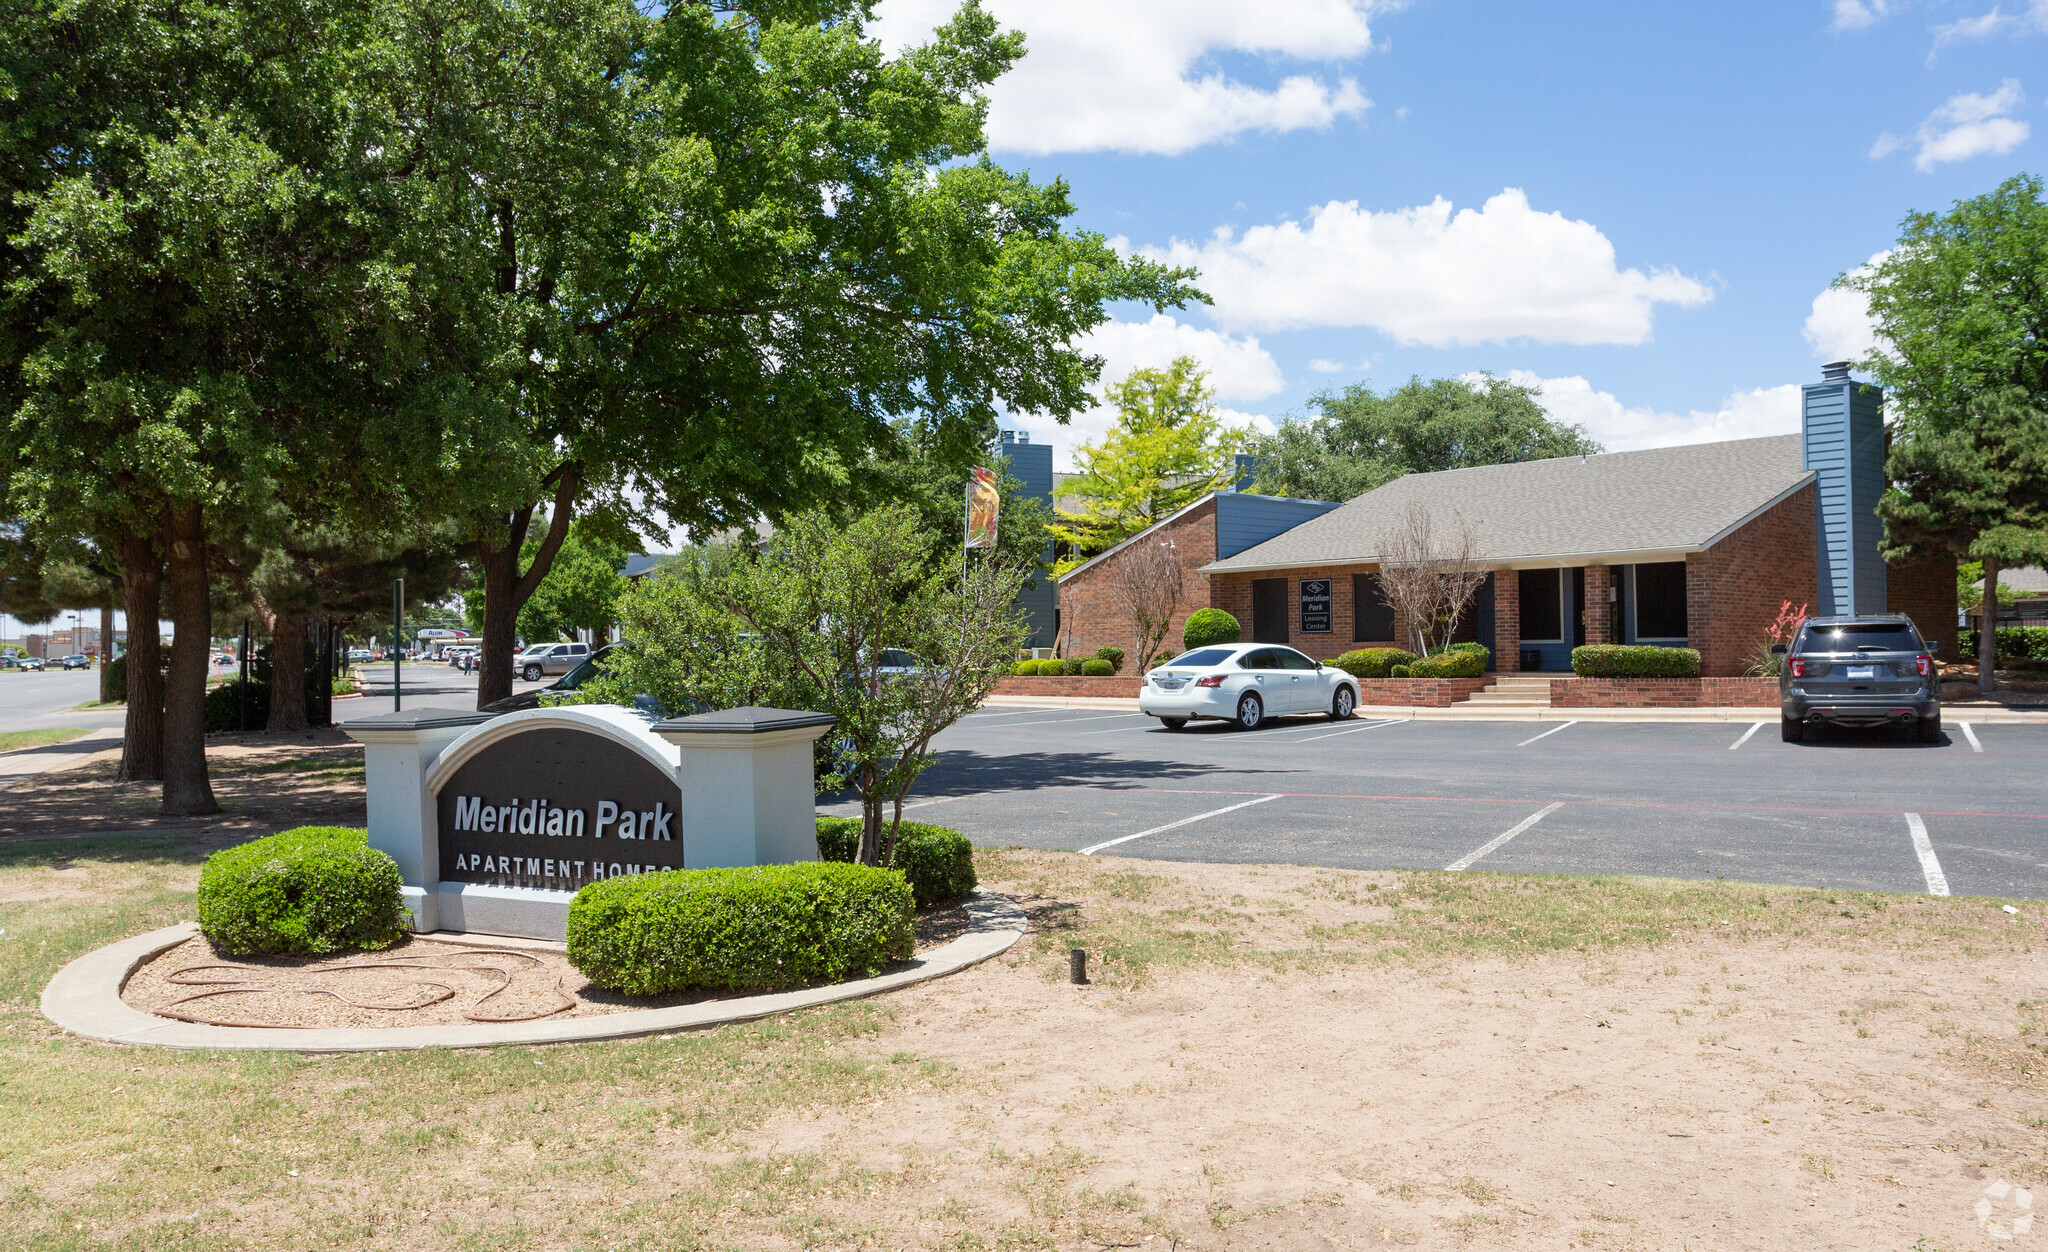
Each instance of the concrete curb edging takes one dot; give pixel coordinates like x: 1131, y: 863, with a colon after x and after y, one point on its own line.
x: 85, y: 999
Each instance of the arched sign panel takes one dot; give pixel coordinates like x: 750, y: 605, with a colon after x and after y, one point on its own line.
x: 556, y: 807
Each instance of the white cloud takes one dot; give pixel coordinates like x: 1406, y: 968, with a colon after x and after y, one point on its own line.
x: 1839, y: 327
x: 1321, y: 366
x: 1433, y: 276
x: 1859, y: 14
x: 1967, y: 125
x: 2032, y: 21
x: 1621, y: 428
x: 1137, y: 75
x: 1239, y: 369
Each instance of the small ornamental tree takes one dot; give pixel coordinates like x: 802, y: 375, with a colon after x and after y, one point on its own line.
x: 1147, y: 583
x: 1428, y: 577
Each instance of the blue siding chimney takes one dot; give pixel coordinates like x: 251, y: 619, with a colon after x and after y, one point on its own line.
x: 1842, y: 432
x: 1031, y: 465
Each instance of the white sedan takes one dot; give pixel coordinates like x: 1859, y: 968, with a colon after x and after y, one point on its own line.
x: 1245, y: 683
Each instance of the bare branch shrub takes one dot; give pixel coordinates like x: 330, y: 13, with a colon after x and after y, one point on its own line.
x: 1147, y: 584
x: 1428, y: 576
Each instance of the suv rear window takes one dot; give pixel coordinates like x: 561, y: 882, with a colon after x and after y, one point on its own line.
x: 1869, y: 637
x: 1202, y: 658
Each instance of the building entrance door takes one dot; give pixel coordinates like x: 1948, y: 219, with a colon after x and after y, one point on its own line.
x: 1269, y: 610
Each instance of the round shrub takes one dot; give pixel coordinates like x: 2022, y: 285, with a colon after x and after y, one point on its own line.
x: 1450, y: 663
x: 1400, y: 671
x: 1373, y: 662
x: 1096, y: 667
x: 1207, y: 627
x: 747, y: 928
x: 937, y: 861
x: 1071, y: 667
x: 1613, y: 660
x: 307, y: 892
x: 1024, y: 669
x: 1115, y: 657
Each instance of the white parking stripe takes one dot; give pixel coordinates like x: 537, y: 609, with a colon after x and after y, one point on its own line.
x: 1091, y: 851
x: 1465, y: 862
x: 1546, y: 734
x: 1015, y: 712
x: 1114, y: 730
x: 1930, y: 865
x: 1354, y: 730
x: 1971, y: 735
x: 1071, y: 721
x: 1754, y: 727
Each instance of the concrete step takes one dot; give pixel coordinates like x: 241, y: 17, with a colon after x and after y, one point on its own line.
x: 1511, y: 701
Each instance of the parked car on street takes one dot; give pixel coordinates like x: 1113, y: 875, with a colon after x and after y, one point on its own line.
x: 359, y: 656
x: 77, y: 660
x: 549, y: 658
x: 1245, y: 684
x: 1864, y: 670
x: 33, y: 662
x: 10, y: 661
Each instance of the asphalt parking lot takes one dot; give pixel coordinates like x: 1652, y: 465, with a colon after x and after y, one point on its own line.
x: 1856, y: 809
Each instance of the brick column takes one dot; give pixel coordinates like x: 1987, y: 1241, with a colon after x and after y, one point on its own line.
x: 1507, y: 621
x: 1599, y: 611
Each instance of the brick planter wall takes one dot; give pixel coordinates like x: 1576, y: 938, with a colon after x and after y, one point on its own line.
x: 1663, y: 693
x: 1421, y: 693
x: 1121, y: 686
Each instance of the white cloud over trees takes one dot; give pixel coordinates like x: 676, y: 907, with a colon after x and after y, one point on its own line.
x: 1967, y: 125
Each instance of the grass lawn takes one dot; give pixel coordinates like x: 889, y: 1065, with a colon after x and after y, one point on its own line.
x: 14, y: 740
x: 1269, y: 1056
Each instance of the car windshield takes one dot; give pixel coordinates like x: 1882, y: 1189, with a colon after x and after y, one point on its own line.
x: 1202, y: 658
x: 1860, y: 637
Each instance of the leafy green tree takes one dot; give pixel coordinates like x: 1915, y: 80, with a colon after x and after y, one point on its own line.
x: 1961, y: 311
x: 1361, y: 440
x: 919, y: 468
x: 580, y: 591
x: 809, y: 623
x: 1167, y: 449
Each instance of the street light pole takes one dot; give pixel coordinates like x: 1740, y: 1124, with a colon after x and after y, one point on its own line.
x: 397, y: 637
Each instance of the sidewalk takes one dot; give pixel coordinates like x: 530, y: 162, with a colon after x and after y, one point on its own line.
x: 1975, y: 715
x: 27, y: 762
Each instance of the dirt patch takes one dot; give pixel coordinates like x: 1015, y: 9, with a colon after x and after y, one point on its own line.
x: 420, y: 982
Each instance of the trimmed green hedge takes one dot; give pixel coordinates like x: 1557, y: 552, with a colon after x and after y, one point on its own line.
x: 1025, y: 669
x: 1114, y: 655
x: 748, y: 928
x: 306, y: 892
x: 1459, y: 661
x: 1373, y: 662
x: 1614, y: 660
x: 938, y: 861
x: 1096, y: 667
x: 2015, y: 643
x: 1206, y: 627
x: 1401, y: 671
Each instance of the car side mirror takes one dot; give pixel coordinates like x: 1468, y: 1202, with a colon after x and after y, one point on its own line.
x: 1933, y: 647
x: 1777, y: 649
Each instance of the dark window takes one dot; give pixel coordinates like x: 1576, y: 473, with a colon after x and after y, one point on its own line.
x: 1542, y: 616
x: 1870, y: 637
x: 1290, y: 659
x: 1372, y: 617
x: 1269, y: 610
x: 1261, y: 659
x: 1202, y: 658
x: 1660, y: 601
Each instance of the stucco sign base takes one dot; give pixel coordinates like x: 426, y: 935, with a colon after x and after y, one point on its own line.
x: 85, y: 999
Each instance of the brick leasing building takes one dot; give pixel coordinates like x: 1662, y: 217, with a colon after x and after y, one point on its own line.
x: 1693, y: 546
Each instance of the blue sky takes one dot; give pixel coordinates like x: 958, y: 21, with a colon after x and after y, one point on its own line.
x: 1634, y: 204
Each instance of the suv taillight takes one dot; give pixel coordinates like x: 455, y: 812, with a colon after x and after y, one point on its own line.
x: 1213, y: 680
x: 1798, y: 667
x: 1923, y: 665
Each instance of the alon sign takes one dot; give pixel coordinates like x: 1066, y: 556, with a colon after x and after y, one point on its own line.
x: 557, y: 806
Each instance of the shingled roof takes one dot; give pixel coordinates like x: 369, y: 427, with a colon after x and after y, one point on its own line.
x: 1616, y: 508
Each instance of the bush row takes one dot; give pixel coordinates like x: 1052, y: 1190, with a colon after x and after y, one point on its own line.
x: 1614, y: 660
x: 2015, y: 643
x: 1072, y: 667
x: 1460, y: 660
x: 1373, y: 662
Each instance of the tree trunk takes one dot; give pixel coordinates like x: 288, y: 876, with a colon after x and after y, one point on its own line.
x: 287, y: 671
x: 1987, y: 635
x: 107, y: 693
x: 187, y: 792
x: 506, y: 589
x: 142, y: 739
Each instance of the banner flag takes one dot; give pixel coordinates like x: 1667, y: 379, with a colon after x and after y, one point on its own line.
x: 983, y: 503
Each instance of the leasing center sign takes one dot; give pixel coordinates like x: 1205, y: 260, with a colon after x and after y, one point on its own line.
x: 556, y: 807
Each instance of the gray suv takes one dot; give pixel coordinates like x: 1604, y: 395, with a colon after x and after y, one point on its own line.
x: 1867, y: 670
x: 549, y: 658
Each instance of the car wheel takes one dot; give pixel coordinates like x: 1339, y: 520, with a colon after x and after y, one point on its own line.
x: 1930, y: 729
x: 1340, y: 708
x: 1791, y: 729
x: 1250, y: 711
x: 533, y: 673
x: 1173, y: 723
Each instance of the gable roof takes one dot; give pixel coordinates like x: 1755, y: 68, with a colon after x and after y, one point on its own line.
x: 1626, y: 506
